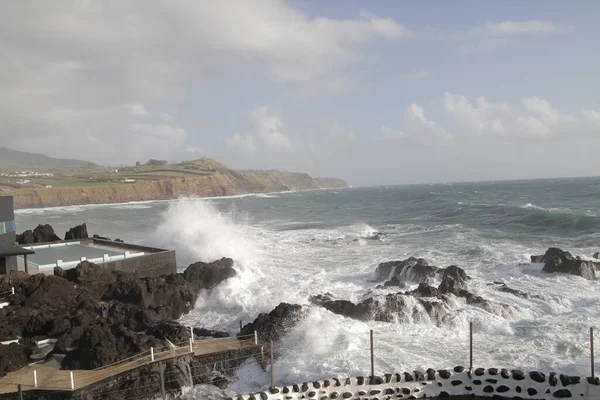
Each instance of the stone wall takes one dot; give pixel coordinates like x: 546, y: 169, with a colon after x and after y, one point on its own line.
x: 481, y: 383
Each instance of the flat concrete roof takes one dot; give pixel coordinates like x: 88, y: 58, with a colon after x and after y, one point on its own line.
x: 69, y: 254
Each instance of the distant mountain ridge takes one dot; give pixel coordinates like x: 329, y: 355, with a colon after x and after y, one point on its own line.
x: 22, y: 159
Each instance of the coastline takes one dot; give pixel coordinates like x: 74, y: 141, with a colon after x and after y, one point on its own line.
x: 26, y: 210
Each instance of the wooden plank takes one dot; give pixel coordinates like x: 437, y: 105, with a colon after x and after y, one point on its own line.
x: 49, y: 378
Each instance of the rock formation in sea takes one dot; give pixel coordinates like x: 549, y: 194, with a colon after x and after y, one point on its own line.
x: 557, y: 260
x: 99, y: 316
x: 41, y: 234
x: 77, y: 232
x: 274, y: 325
x: 426, y: 302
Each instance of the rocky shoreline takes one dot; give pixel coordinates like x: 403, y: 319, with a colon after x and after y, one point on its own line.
x: 94, y: 317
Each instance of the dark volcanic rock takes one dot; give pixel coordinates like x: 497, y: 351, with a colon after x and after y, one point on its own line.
x: 77, y: 232
x: 101, y: 344
x: 13, y: 357
x: 424, y: 290
x: 95, y: 236
x: 504, y: 288
x: 346, y: 308
x: 557, y: 260
x: 100, y: 316
x: 412, y: 270
x: 596, y: 255
x: 45, y: 233
x: 454, y: 279
x: 274, y: 325
x: 26, y: 237
x: 201, y: 332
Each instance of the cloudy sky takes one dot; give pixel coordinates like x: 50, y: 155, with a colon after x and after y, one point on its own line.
x: 377, y: 92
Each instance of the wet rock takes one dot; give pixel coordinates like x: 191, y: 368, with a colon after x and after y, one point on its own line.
x: 424, y: 290
x: 361, y: 311
x: 413, y: 269
x: 274, y: 325
x: 454, y: 280
x: 504, y: 288
x: 77, y: 232
x: 557, y: 260
x: 201, y: 332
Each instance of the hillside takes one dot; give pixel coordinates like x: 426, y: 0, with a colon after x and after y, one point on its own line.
x: 21, y: 159
x: 205, y: 177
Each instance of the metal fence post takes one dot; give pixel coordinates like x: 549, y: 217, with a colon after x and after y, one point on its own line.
x: 256, y: 338
x: 592, y: 351
x: 20, y: 391
x: 372, y: 355
x: 272, y: 366
x: 72, y: 381
x: 151, y: 353
x: 471, y: 345
x: 192, y: 333
x: 34, y: 378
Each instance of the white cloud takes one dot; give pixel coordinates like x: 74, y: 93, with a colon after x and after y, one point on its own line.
x: 535, y: 117
x: 511, y: 28
x: 418, y: 122
x: 492, y: 36
x: 338, y: 132
x: 390, y: 133
x: 242, y: 142
x: 166, y: 117
x: 136, y: 109
x: 268, y: 127
x: 72, y: 67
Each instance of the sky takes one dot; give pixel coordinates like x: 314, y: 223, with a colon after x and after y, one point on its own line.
x: 375, y: 92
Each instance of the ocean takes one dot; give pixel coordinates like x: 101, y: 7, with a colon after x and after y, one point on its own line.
x: 289, y: 246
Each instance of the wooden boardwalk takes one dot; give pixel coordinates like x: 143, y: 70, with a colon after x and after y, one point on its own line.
x: 50, y: 378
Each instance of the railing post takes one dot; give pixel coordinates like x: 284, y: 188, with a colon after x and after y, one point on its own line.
x: 161, y: 372
x: 72, y: 381
x: 192, y: 333
x: 272, y: 366
x: 34, y: 378
x: 20, y: 391
x: 470, y: 345
x: 255, y: 338
x: 592, y: 351
x: 372, y: 354
x: 151, y: 353
x: 191, y: 345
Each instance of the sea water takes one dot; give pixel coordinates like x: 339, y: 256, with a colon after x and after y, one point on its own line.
x: 289, y: 246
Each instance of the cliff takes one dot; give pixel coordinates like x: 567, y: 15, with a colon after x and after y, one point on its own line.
x: 208, y: 179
